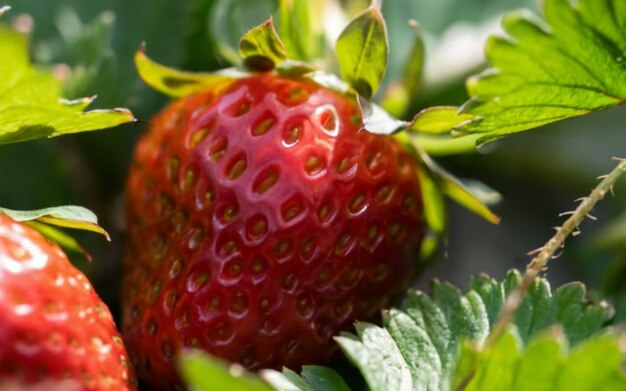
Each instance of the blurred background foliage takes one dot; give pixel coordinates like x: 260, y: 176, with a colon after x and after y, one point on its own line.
x: 539, y: 173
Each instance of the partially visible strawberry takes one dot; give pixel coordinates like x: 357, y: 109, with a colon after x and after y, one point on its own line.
x: 262, y: 221
x: 55, y: 332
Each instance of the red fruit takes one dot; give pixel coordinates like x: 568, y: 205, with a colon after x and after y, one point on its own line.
x: 262, y: 221
x: 55, y: 332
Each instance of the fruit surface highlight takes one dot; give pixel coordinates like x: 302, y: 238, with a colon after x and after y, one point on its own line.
x: 262, y: 221
x: 55, y: 332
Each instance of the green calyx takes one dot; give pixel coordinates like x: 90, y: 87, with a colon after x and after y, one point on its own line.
x: 48, y: 220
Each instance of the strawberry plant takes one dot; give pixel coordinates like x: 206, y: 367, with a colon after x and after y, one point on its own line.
x: 277, y: 211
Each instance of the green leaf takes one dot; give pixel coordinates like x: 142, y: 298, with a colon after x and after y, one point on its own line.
x: 414, y: 65
x: 178, y: 84
x: 261, y: 48
x: 436, y: 343
x: 229, y: 20
x: 64, y: 240
x: 69, y: 216
x: 472, y: 195
x: 312, y: 378
x: 300, y: 28
x: 572, y: 64
x: 424, y: 338
x: 30, y: 100
x: 202, y: 372
x: 434, y: 213
x: 362, y: 52
x: 377, y: 356
x: 546, y: 363
x: 440, y: 119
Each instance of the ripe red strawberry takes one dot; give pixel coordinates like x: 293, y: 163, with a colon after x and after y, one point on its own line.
x: 55, y: 332
x: 262, y: 221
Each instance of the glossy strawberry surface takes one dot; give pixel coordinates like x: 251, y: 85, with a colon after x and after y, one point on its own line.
x: 55, y: 332
x: 262, y: 221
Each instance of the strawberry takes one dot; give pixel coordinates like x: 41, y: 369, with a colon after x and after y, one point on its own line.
x: 263, y: 221
x: 55, y: 333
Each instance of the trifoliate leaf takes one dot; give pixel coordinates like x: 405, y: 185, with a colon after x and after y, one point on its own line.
x: 546, y: 363
x: 202, y: 372
x: 261, y: 48
x: 362, y: 52
x: 428, y: 332
x: 178, y: 84
x: 30, y: 99
x: 436, y: 343
x: 69, y: 216
x: 571, y: 64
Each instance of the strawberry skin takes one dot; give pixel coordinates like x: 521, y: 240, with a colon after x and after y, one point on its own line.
x: 262, y: 221
x: 55, y: 333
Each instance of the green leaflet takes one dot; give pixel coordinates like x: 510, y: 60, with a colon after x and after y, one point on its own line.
x: 204, y: 373
x: 472, y: 195
x: 362, y: 50
x: 229, y: 20
x: 545, y: 363
x: 30, y: 99
x: 299, y: 26
x: 412, y: 75
x: 571, y: 65
x: 312, y: 378
x: 261, y: 48
x: 440, y: 119
x: 68, y: 216
x: 178, y: 84
x: 558, y: 339
x: 379, y: 359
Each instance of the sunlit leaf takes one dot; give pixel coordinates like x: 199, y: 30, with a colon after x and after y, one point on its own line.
x: 69, y: 216
x: 440, y: 119
x: 261, y: 48
x: 299, y: 25
x: 414, y: 65
x: 30, y: 99
x: 362, y: 52
x: 572, y: 64
x: 177, y: 83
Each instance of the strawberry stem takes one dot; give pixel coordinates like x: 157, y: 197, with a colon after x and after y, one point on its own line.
x: 546, y: 253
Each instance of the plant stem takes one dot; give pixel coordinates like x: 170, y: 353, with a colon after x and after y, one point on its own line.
x: 546, y: 253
